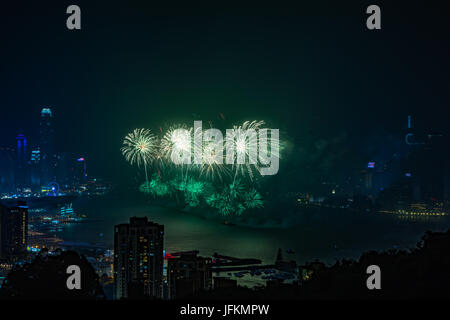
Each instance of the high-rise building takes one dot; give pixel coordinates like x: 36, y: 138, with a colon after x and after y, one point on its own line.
x: 13, y: 229
x: 7, y: 169
x: 80, y: 171
x: 188, y: 274
x: 63, y: 169
x: 427, y: 164
x: 22, y: 172
x: 47, y: 147
x: 138, y: 259
x: 35, y: 169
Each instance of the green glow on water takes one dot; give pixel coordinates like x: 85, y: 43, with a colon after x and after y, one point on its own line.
x: 227, y: 199
x: 209, y: 185
x: 155, y: 187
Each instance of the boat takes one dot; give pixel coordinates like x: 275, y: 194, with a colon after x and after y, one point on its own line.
x: 228, y: 223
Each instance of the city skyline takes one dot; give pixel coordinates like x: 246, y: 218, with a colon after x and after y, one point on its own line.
x: 35, y: 164
x: 176, y: 152
x: 283, y: 55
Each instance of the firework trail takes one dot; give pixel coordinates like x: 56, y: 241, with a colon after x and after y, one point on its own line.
x: 244, y: 140
x: 140, y: 148
x: 249, y: 142
x: 206, y: 178
x: 176, y: 144
x: 212, y: 167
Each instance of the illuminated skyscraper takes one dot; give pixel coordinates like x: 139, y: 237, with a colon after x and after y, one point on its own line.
x: 47, y: 147
x: 13, y: 229
x: 22, y: 176
x: 35, y: 168
x: 80, y: 173
x: 138, y: 259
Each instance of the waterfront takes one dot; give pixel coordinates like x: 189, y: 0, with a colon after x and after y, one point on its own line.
x: 329, y: 235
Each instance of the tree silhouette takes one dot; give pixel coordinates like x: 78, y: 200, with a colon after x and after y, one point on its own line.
x: 418, y: 273
x: 45, y: 278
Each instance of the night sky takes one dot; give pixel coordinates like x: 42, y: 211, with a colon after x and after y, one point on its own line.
x: 312, y: 70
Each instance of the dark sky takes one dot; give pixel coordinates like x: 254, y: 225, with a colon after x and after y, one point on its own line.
x: 312, y: 70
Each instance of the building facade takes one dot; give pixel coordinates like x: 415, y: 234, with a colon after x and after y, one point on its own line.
x: 7, y: 169
x: 188, y: 274
x: 13, y: 229
x: 22, y: 172
x: 47, y: 147
x: 35, y: 169
x: 138, y: 259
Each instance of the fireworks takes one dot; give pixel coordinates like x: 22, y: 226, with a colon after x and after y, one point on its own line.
x: 192, y: 189
x: 233, y: 200
x: 243, y: 141
x: 253, y: 199
x: 235, y: 189
x: 155, y: 187
x: 176, y: 145
x: 211, y: 165
x: 199, y: 168
x: 139, y: 147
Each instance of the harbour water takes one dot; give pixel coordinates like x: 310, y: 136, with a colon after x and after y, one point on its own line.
x: 329, y: 235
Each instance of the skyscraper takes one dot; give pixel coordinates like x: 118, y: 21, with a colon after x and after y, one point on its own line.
x: 188, y: 274
x: 13, y: 229
x: 63, y: 163
x: 22, y: 172
x: 427, y: 164
x: 35, y: 169
x: 80, y: 173
x: 47, y: 147
x: 7, y: 172
x: 138, y: 259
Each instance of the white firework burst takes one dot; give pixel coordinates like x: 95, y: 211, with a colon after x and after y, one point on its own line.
x: 140, y: 148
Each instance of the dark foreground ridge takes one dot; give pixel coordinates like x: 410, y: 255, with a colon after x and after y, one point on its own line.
x: 418, y: 273
x: 46, y: 276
